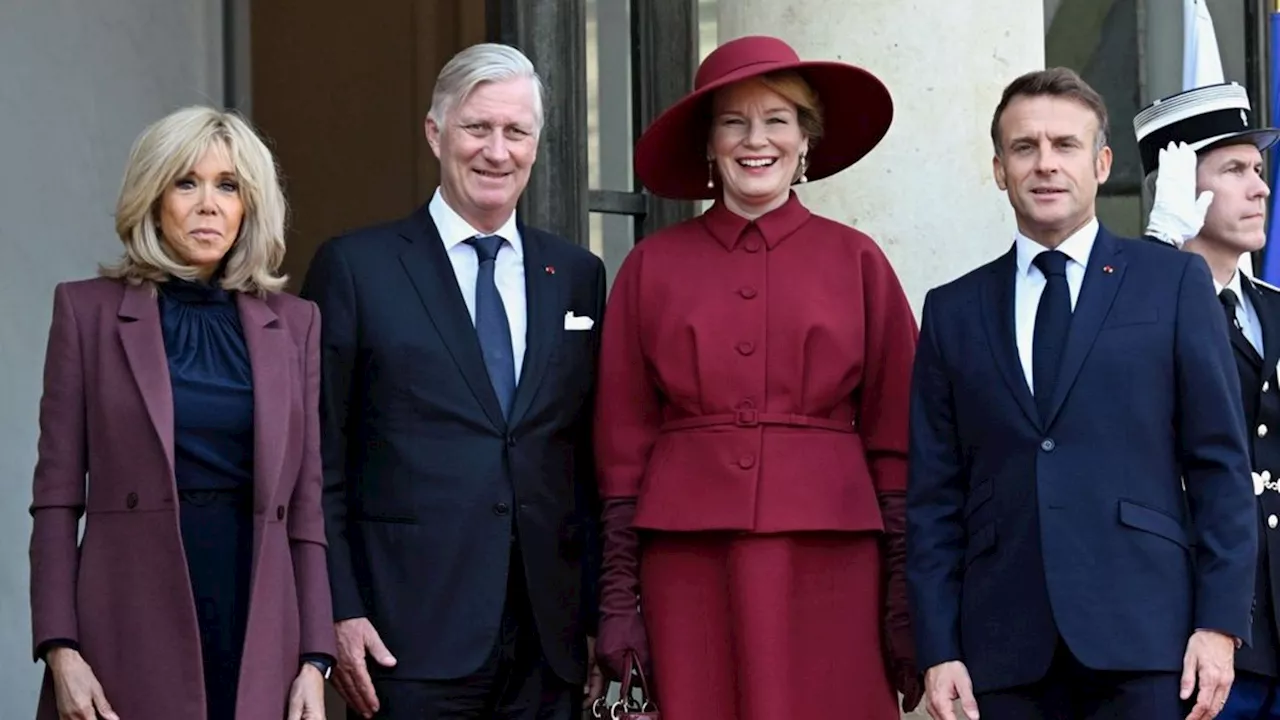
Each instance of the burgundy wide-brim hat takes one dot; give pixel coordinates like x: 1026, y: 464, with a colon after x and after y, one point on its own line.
x: 671, y: 156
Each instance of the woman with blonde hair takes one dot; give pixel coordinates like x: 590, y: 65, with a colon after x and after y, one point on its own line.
x: 179, y: 419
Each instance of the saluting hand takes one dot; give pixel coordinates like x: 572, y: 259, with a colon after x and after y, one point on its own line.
x: 356, y: 640
x: 75, y: 688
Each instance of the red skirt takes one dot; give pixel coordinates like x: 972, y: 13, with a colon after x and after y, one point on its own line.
x: 766, y: 627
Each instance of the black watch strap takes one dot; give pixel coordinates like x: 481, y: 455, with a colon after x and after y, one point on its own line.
x: 323, y: 666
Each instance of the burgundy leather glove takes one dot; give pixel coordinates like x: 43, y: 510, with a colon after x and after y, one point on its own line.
x: 621, y: 626
x: 899, y: 645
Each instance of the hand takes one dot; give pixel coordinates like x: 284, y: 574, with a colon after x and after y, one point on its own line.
x: 306, y: 697
x: 1177, y: 214
x: 594, y: 688
x: 1210, y: 663
x: 620, y: 634
x: 944, y: 684
x: 76, y: 689
x: 356, y: 640
x: 906, y: 680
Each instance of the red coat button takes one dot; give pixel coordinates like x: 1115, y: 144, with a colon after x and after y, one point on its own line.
x: 280, y: 512
x: 747, y: 292
x: 746, y: 462
x: 746, y: 348
x: 752, y: 246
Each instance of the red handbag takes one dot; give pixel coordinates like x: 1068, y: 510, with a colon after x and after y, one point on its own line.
x: 639, y: 706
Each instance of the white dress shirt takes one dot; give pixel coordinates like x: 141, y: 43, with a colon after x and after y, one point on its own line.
x: 1246, y: 315
x: 508, y: 271
x: 1030, y: 282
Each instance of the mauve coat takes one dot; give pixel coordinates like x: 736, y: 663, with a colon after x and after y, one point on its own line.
x: 123, y: 593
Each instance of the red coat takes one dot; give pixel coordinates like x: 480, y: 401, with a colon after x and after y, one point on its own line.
x: 123, y: 593
x: 755, y: 378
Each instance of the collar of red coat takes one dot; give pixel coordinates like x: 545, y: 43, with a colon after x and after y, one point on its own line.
x: 728, y: 227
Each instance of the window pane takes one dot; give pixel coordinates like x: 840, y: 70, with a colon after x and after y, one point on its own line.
x: 609, y: 94
x: 612, y: 237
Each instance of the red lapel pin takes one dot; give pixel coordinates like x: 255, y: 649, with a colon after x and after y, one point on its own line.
x: 1108, y: 269
x: 550, y: 269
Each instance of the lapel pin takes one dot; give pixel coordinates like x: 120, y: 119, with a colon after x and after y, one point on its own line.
x: 1108, y: 269
x: 550, y: 269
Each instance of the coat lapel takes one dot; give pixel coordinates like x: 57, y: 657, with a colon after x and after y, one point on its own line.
x: 143, y: 342
x: 1267, y: 311
x: 431, y: 273
x: 998, y: 318
x: 271, y: 360
x: 545, y: 323
x: 1102, y: 280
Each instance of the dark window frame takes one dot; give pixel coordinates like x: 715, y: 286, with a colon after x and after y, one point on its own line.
x: 553, y: 35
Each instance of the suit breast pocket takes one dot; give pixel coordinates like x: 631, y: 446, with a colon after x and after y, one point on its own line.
x: 1127, y: 317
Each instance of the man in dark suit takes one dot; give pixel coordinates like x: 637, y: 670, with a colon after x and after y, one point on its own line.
x: 1205, y: 162
x: 459, y: 350
x: 1080, y: 516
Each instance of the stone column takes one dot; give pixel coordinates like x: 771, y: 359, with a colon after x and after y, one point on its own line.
x: 926, y: 193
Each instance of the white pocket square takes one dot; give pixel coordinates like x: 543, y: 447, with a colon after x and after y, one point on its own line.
x: 573, y: 322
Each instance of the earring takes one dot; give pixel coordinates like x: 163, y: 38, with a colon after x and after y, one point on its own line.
x: 804, y: 165
x: 711, y: 174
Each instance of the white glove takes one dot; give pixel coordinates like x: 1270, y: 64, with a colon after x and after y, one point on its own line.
x: 1176, y: 213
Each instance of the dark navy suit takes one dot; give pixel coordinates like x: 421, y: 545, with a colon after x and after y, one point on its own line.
x: 1032, y: 541
x: 434, y: 501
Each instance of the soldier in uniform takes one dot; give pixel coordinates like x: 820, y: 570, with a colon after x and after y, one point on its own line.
x: 1205, y: 164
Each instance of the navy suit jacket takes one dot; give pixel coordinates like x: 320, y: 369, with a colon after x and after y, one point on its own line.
x: 1121, y: 524
x: 427, y: 486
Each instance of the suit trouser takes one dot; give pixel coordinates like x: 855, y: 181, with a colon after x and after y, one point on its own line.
x: 1253, y: 697
x: 514, y: 683
x: 1071, y: 691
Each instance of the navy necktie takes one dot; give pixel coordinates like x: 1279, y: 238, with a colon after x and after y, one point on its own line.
x: 1230, y: 301
x: 1053, y: 320
x: 491, y: 323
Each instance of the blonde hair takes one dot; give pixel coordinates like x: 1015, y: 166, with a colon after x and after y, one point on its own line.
x: 166, y: 151
x: 794, y: 89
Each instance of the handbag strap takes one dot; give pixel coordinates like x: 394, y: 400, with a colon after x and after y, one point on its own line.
x: 633, y: 664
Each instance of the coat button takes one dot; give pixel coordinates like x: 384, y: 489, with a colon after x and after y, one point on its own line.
x: 752, y: 246
x: 279, y: 512
x: 1272, y: 521
x: 501, y: 509
x: 1048, y: 445
x: 747, y: 292
x: 511, y: 441
x: 1262, y: 431
x: 746, y: 348
x: 746, y: 462
x: 131, y: 500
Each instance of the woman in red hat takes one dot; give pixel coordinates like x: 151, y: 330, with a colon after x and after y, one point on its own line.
x: 752, y: 415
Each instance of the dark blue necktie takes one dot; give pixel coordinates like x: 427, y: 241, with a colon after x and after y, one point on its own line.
x: 491, y: 324
x: 1053, y: 320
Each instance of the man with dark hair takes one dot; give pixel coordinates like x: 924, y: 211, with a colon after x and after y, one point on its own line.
x: 1080, y: 515
x: 1205, y: 161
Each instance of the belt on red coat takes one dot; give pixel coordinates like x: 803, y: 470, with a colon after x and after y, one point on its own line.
x: 753, y: 418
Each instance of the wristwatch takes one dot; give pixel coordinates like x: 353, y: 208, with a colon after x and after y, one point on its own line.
x: 323, y: 666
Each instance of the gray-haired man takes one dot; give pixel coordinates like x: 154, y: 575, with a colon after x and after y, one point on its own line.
x: 459, y: 353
